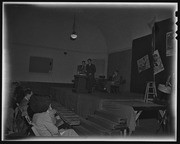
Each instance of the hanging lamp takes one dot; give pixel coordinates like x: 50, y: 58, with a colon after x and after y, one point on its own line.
x: 73, y: 34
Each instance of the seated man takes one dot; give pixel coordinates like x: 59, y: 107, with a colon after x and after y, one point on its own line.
x: 45, y: 122
x: 21, y: 124
x: 36, y: 103
x: 18, y: 92
x: 115, y: 80
x: 25, y: 101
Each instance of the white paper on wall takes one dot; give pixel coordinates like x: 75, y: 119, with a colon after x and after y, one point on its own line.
x: 143, y: 63
x: 170, y: 40
x: 158, y: 65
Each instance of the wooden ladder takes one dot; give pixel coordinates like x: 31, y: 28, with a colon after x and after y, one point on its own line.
x: 150, y: 92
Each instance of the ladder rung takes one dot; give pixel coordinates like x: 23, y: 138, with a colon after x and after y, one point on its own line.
x: 150, y: 91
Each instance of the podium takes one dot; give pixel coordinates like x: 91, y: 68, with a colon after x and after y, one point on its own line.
x: 80, y: 83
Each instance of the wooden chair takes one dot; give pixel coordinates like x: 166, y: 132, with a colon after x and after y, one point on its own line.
x: 116, y: 87
x: 28, y: 120
x: 32, y: 126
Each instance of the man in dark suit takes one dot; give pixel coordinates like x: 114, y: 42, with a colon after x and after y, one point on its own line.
x: 90, y: 70
x: 82, y: 68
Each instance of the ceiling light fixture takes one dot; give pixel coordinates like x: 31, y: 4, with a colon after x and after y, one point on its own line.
x: 73, y: 34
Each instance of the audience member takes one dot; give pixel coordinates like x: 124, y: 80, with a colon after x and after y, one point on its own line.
x: 19, y: 92
x: 25, y: 102
x: 45, y: 122
x: 91, y: 69
x: 11, y: 107
x: 21, y: 124
x: 115, y: 80
x: 36, y: 104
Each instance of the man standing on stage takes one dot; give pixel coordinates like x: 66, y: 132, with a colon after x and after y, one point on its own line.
x: 82, y: 68
x: 90, y: 69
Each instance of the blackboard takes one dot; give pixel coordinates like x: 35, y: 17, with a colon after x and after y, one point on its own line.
x: 40, y: 64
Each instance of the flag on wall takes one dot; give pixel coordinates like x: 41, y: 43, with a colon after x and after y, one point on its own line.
x: 158, y: 65
x: 143, y: 63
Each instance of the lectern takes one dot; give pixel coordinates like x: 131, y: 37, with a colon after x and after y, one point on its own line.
x: 80, y: 83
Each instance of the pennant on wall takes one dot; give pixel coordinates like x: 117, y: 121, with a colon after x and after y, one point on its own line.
x: 143, y: 63
x: 170, y: 39
x: 158, y: 65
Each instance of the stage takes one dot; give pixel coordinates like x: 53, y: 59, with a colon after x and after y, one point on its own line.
x: 85, y: 104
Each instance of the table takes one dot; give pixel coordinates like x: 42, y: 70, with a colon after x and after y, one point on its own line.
x: 138, y: 106
x: 100, y: 83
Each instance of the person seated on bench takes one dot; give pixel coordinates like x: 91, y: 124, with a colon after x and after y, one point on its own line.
x: 35, y: 104
x: 45, y: 122
x: 115, y: 79
x: 25, y: 102
x: 18, y: 92
x: 20, y: 123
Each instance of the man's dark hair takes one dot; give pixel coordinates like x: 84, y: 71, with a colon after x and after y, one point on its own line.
x: 89, y: 59
x: 83, y: 61
x: 39, y: 103
x: 27, y: 91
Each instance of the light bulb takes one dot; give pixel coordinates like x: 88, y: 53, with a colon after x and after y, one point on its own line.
x: 73, y: 35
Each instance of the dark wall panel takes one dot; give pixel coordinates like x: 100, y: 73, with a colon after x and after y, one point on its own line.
x: 140, y: 48
x: 121, y: 61
x: 162, y: 28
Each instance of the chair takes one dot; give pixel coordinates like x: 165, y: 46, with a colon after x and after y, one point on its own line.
x: 116, y: 87
x: 32, y: 126
x: 28, y: 120
x: 165, y: 115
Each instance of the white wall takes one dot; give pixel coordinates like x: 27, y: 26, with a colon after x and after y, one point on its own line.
x: 64, y: 66
x: 44, y: 34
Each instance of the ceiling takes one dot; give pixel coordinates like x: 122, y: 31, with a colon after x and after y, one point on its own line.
x: 116, y: 21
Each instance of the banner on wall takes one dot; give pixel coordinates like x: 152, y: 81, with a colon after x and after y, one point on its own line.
x: 158, y: 65
x: 170, y: 39
x: 143, y: 63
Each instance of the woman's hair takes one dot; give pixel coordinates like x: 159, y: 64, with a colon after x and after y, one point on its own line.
x: 39, y: 103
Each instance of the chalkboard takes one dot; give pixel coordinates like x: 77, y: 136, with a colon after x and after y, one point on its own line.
x: 40, y: 64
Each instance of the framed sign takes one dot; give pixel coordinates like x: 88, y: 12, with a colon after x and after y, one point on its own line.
x: 158, y: 65
x: 40, y: 64
x: 143, y: 63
